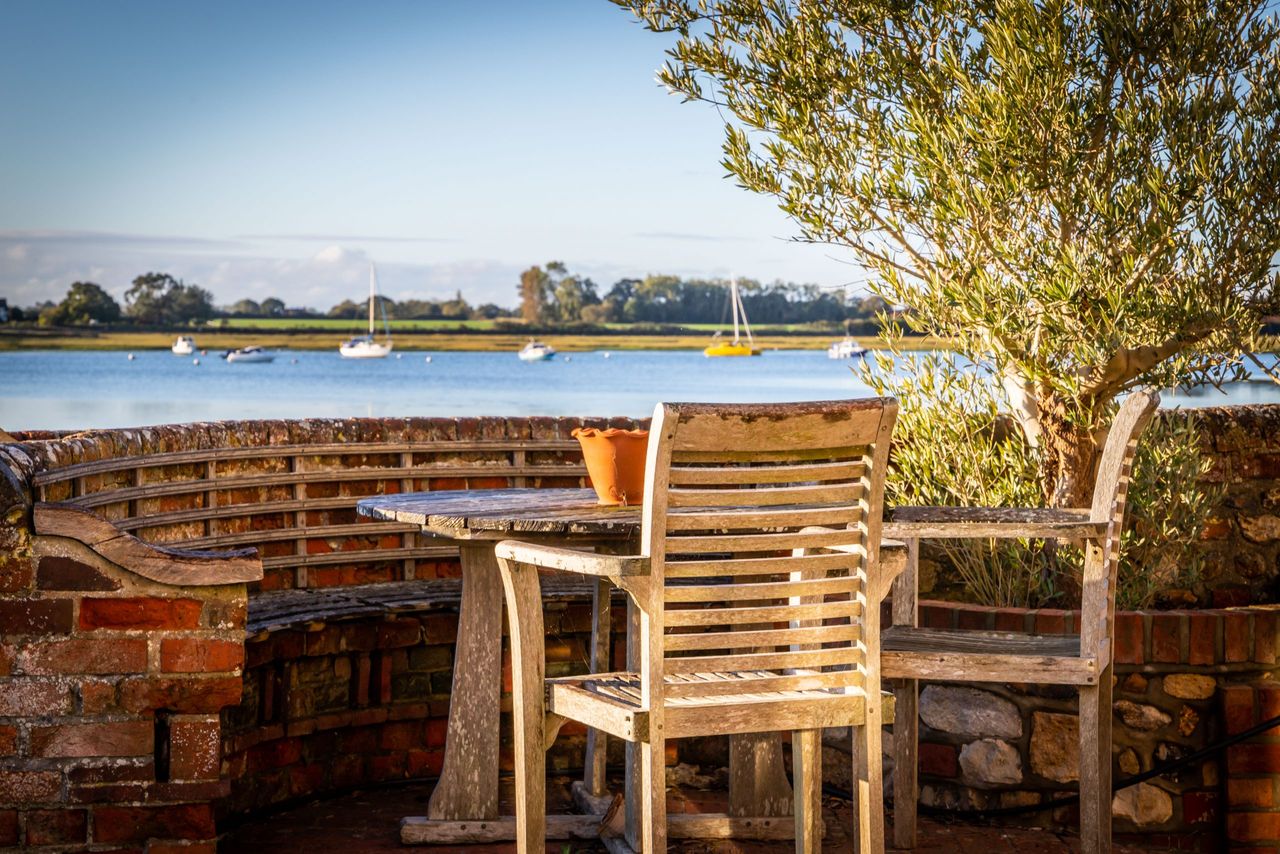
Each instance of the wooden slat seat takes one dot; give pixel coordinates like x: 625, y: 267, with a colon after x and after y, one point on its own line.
x: 979, y: 656
x: 616, y: 697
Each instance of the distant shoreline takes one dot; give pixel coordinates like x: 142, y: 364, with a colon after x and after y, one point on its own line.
x: 16, y: 339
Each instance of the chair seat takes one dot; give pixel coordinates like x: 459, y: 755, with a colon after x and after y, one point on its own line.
x: 908, y: 652
x: 611, y: 702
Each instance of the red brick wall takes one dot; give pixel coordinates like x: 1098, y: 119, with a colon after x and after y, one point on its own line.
x: 111, y: 689
x: 367, y: 701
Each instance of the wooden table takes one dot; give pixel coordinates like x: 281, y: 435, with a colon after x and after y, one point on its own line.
x: 464, y: 805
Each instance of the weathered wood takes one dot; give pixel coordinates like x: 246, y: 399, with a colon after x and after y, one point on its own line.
x: 572, y: 560
x: 533, y: 726
x: 906, y: 717
x: 973, y: 656
x: 601, y: 633
x: 758, y: 784
x: 1095, y: 766
x: 761, y: 614
x: 845, y: 470
x: 448, y: 446
x: 157, y: 563
x: 806, y: 760
x: 470, y: 789
x: 420, y: 830
x: 976, y: 522
x: 755, y: 566
x: 753, y: 591
x: 766, y: 638
x: 254, y: 481
x: 993, y: 656
x: 771, y: 496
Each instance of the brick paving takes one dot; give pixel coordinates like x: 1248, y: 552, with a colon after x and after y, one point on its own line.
x: 368, y: 823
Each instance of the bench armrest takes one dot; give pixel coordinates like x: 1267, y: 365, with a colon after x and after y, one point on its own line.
x: 159, y: 563
x: 572, y: 560
x: 1001, y: 522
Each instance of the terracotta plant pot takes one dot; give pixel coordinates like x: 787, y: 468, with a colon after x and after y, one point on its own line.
x: 615, y: 462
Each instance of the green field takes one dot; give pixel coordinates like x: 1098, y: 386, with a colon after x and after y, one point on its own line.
x: 293, y: 334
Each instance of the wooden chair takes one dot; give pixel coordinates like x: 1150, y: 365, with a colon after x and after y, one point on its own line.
x: 744, y: 619
x: 911, y: 653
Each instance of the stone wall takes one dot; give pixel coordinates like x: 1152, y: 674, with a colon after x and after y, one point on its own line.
x: 1242, y: 538
x: 1183, y: 681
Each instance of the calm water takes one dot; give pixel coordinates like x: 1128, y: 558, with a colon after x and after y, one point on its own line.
x: 69, y: 390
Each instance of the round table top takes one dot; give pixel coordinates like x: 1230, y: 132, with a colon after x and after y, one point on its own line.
x: 496, y: 512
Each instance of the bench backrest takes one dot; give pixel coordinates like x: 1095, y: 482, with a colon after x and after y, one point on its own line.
x: 296, y: 502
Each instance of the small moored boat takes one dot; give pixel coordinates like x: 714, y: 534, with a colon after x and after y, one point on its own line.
x: 364, y: 346
x: 846, y: 349
x: 249, y: 355
x: 184, y: 346
x: 536, y: 351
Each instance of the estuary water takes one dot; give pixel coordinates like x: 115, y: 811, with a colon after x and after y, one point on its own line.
x: 61, y: 390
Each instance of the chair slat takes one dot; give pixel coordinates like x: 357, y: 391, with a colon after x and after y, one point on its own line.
x: 850, y: 608
x: 745, y: 543
x: 758, y: 565
x: 760, y: 638
x: 768, y: 496
x: 757, y: 682
x: 801, y: 472
x: 718, y: 520
x: 762, y: 660
x: 775, y: 455
x: 767, y: 590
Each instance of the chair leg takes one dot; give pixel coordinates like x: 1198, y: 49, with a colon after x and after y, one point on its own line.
x: 652, y: 795
x: 597, y: 741
x: 868, y: 782
x: 906, y: 785
x: 528, y: 663
x: 1095, y: 766
x: 806, y: 766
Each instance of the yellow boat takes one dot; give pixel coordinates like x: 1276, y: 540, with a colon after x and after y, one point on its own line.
x: 736, y: 347
x: 728, y: 348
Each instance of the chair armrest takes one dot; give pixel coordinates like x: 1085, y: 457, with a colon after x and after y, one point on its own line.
x: 572, y: 560
x: 1001, y: 522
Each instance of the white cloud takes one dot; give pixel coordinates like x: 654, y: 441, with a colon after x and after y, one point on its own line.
x: 31, y: 271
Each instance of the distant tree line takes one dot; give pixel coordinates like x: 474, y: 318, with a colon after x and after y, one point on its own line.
x: 551, y: 294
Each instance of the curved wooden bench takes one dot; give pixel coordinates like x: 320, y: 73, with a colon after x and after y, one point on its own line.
x: 296, y: 503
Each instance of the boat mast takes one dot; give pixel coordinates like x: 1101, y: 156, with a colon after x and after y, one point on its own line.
x: 733, y: 297
x: 372, y: 284
x: 739, y: 307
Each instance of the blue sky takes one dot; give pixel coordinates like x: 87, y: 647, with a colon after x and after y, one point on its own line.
x: 272, y: 148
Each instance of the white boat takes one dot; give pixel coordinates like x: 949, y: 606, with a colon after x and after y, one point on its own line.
x: 536, y: 351
x: 364, y: 347
x: 250, y: 355
x: 184, y: 346
x: 846, y: 349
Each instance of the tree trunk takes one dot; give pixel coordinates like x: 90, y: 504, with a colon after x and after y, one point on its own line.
x: 1069, y: 457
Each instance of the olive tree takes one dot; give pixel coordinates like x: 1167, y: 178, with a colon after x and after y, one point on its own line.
x: 1084, y: 196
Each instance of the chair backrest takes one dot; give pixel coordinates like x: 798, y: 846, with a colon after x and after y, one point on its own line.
x: 741, y: 502
x: 1110, y: 499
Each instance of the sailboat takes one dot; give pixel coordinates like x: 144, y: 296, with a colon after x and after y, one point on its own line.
x: 736, y: 347
x: 365, y: 347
